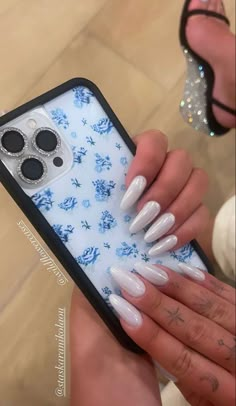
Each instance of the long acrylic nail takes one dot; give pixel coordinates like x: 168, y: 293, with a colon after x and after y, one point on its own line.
x: 128, y: 281
x: 192, y: 271
x: 126, y: 310
x: 163, y: 246
x: 152, y: 273
x: 133, y: 192
x: 145, y: 216
x: 163, y: 224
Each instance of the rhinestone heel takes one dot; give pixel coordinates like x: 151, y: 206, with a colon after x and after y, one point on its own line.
x: 197, y: 102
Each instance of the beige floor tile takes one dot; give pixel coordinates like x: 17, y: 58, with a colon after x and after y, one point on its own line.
x: 6, y: 5
x: 32, y: 35
x: 131, y: 94
x: 145, y: 32
x: 216, y: 155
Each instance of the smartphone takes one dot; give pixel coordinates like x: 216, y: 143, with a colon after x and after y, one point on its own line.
x: 64, y: 157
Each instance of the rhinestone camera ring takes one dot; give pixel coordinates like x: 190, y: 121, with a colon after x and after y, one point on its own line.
x: 42, y: 151
x: 24, y: 139
x: 24, y: 178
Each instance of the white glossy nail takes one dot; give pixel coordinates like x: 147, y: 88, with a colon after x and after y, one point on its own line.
x: 152, y: 273
x: 133, y: 192
x: 192, y: 271
x: 126, y: 310
x: 145, y: 216
x: 128, y: 281
x: 163, y: 224
x: 163, y: 246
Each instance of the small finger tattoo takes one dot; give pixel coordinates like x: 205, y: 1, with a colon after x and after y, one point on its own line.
x: 231, y: 350
x: 175, y: 316
x: 212, y: 380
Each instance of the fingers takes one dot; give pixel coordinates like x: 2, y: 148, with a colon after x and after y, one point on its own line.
x: 195, y: 297
x: 210, y: 282
x: 192, y: 398
x: 192, y: 227
x: 148, y: 160
x: 149, y: 157
x: 190, y: 328
x: 169, y: 193
x: 190, y: 368
x: 171, y: 180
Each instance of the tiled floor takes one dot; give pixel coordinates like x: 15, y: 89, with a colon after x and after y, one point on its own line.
x: 129, y: 48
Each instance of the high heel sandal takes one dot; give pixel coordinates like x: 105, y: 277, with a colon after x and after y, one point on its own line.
x: 197, y: 102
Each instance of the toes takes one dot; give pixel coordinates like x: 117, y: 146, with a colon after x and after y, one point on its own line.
x: 221, y: 8
x: 213, y: 5
x: 199, y: 4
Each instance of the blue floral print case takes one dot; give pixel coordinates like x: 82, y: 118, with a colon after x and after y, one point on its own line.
x: 78, y: 214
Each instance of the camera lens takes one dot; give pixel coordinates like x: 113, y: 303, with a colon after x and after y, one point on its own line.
x: 12, y: 141
x: 46, y: 141
x: 32, y: 169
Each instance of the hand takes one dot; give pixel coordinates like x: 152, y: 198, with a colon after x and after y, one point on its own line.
x: 103, y: 373
x: 188, y: 326
x: 173, y: 193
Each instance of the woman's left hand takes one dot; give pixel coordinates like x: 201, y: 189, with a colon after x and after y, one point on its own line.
x: 186, y: 325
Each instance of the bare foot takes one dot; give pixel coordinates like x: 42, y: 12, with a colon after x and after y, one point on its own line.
x: 211, y: 39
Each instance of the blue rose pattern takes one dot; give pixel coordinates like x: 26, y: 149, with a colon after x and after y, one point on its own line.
x: 79, y: 154
x: 89, y: 256
x: 102, y: 163
x: 43, y: 200
x: 184, y: 254
x: 60, y: 118
x: 82, y: 96
x: 127, y: 250
x: 63, y: 232
x: 103, y: 126
x: 103, y: 189
x: 97, y: 218
x: 107, y: 222
x: 68, y: 204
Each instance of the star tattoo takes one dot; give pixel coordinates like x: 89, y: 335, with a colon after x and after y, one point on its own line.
x: 175, y: 317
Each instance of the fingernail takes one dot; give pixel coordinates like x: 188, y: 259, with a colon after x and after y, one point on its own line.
x: 160, y: 227
x: 192, y: 271
x: 145, y: 216
x: 163, y: 246
x: 133, y: 192
x: 128, y: 281
x: 164, y: 372
x: 152, y: 273
x: 126, y: 310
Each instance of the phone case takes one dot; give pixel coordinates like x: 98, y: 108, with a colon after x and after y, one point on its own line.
x: 78, y: 215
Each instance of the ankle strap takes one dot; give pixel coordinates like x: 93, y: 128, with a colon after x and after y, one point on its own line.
x: 207, y: 13
x: 223, y: 106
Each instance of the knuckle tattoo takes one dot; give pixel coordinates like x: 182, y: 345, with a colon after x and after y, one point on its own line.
x: 183, y: 363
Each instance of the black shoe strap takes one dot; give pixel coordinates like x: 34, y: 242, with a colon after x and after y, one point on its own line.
x: 223, y: 106
x: 208, y: 13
